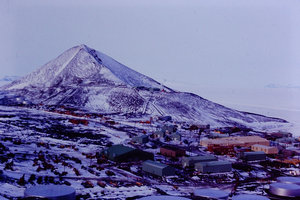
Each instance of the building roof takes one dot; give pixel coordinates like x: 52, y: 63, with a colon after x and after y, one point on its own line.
x: 286, y: 139
x: 118, y: 150
x: 173, y: 148
x: 200, y: 158
x: 51, y: 192
x: 163, y: 197
x: 263, y: 146
x: 211, y: 193
x: 215, y: 134
x: 285, y: 189
x: 249, y: 197
x: 214, y: 163
x: 289, y: 179
x: 254, y: 153
x: 235, y: 140
x: 155, y: 164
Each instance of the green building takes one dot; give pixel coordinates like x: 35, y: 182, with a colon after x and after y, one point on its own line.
x: 252, y: 156
x: 157, y: 168
x: 190, y: 161
x: 121, y: 153
x: 213, y: 167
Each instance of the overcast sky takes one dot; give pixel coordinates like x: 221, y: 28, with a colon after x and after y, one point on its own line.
x: 210, y: 43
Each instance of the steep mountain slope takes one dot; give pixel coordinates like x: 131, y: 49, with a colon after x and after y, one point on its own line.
x: 84, y: 66
x: 89, y: 79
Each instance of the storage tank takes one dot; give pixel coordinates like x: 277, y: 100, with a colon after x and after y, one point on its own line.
x: 211, y: 193
x: 289, y: 179
x: 249, y: 197
x: 163, y: 197
x: 285, y: 189
x: 51, y: 192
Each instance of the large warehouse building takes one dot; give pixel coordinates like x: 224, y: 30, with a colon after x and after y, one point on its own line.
x: 242, y: 141
x: 190, y: 161
x: 213, y: 167
x: 252, y: 156
x: 157, y: 168
x: 121, y: 153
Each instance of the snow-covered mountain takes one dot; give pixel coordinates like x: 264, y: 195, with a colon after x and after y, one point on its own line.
x: 81, y: 65
x: 89, y: 79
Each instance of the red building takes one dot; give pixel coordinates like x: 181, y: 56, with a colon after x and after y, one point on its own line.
x: 79, y: 121
x: 172, y: 151
x: 221, y: 150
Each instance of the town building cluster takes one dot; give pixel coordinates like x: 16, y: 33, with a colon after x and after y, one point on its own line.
x: 216, y: 148
x: 167, y: 153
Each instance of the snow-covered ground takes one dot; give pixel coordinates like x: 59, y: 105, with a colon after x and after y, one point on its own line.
x: 293, y: 116
x: 277, y: 102
x: 274, y: 102
x: 59, y: 151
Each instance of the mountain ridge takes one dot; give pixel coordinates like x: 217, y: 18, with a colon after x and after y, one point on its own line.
x: 86, y: 78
